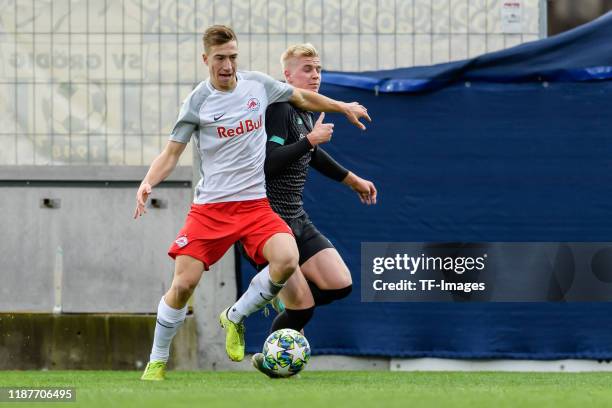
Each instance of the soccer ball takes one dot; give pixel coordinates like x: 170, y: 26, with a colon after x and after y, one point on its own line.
x: 286, y: 352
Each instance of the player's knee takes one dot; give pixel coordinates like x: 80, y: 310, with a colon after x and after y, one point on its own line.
x: 286, y: 263
x: 183, y: 288
x: 326, y: 296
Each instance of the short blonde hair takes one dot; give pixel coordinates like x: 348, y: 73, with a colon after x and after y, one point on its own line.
x: 298, y: 50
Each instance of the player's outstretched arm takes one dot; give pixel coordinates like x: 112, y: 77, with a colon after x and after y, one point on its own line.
x: 312, y: 101
x: 161, y: 168
x: 326, y: 165
x: 365, y: 189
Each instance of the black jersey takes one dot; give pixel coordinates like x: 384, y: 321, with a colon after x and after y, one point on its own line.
x: 287, y: 125
x: 288, y: 156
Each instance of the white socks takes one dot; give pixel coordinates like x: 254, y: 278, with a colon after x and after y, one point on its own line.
x: 260, y: 292
x: 168, y: 322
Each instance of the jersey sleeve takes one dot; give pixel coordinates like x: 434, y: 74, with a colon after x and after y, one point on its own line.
x: 326, y: 165
x: 278, y: 118
x: 277, y: 91
x: 279, y: 155
x: 189, y: 118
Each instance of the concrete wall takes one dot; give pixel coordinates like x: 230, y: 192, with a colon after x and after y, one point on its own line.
x: 87, y: 342
x: 86, y: 254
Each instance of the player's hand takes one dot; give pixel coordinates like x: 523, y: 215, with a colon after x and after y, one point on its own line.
x: 365, y: 189
x: 142, y: 195
x: 354, y: 112
x: 321, y: 132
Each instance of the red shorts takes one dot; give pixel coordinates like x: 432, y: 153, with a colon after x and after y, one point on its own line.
x: 211, y: 229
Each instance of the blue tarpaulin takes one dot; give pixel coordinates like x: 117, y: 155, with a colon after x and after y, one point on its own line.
x: 512, y: 146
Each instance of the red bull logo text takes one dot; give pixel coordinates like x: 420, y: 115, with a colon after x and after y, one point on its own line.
x: 244, y: 127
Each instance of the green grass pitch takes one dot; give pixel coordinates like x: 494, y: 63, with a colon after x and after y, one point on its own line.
x: 322, y: 389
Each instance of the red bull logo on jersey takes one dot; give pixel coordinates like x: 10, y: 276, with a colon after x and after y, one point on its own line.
x: 253, y: 105
x: 244, y: 127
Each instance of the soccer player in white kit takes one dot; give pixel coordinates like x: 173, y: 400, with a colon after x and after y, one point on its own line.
x: 227, y: 115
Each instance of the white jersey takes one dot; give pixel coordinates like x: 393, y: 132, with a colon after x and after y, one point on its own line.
x: 230, y: 134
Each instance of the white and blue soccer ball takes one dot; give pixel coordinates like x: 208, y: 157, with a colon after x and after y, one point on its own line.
x: 286, y: 352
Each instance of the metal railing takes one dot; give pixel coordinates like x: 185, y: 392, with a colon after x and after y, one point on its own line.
x: 101, y: 81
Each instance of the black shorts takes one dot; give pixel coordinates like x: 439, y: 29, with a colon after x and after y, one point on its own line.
x: 308, y: 238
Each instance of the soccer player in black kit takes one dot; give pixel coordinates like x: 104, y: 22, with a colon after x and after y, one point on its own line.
x: 293, y: 146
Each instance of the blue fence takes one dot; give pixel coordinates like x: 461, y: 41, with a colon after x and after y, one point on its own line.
x: 513, y: 146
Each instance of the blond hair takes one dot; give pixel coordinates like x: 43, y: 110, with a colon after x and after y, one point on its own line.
x: 217, y: 35
x: 298, y: 50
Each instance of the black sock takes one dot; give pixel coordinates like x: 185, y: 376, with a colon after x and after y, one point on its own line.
x: 292, y: 319
x: 326, y: 296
